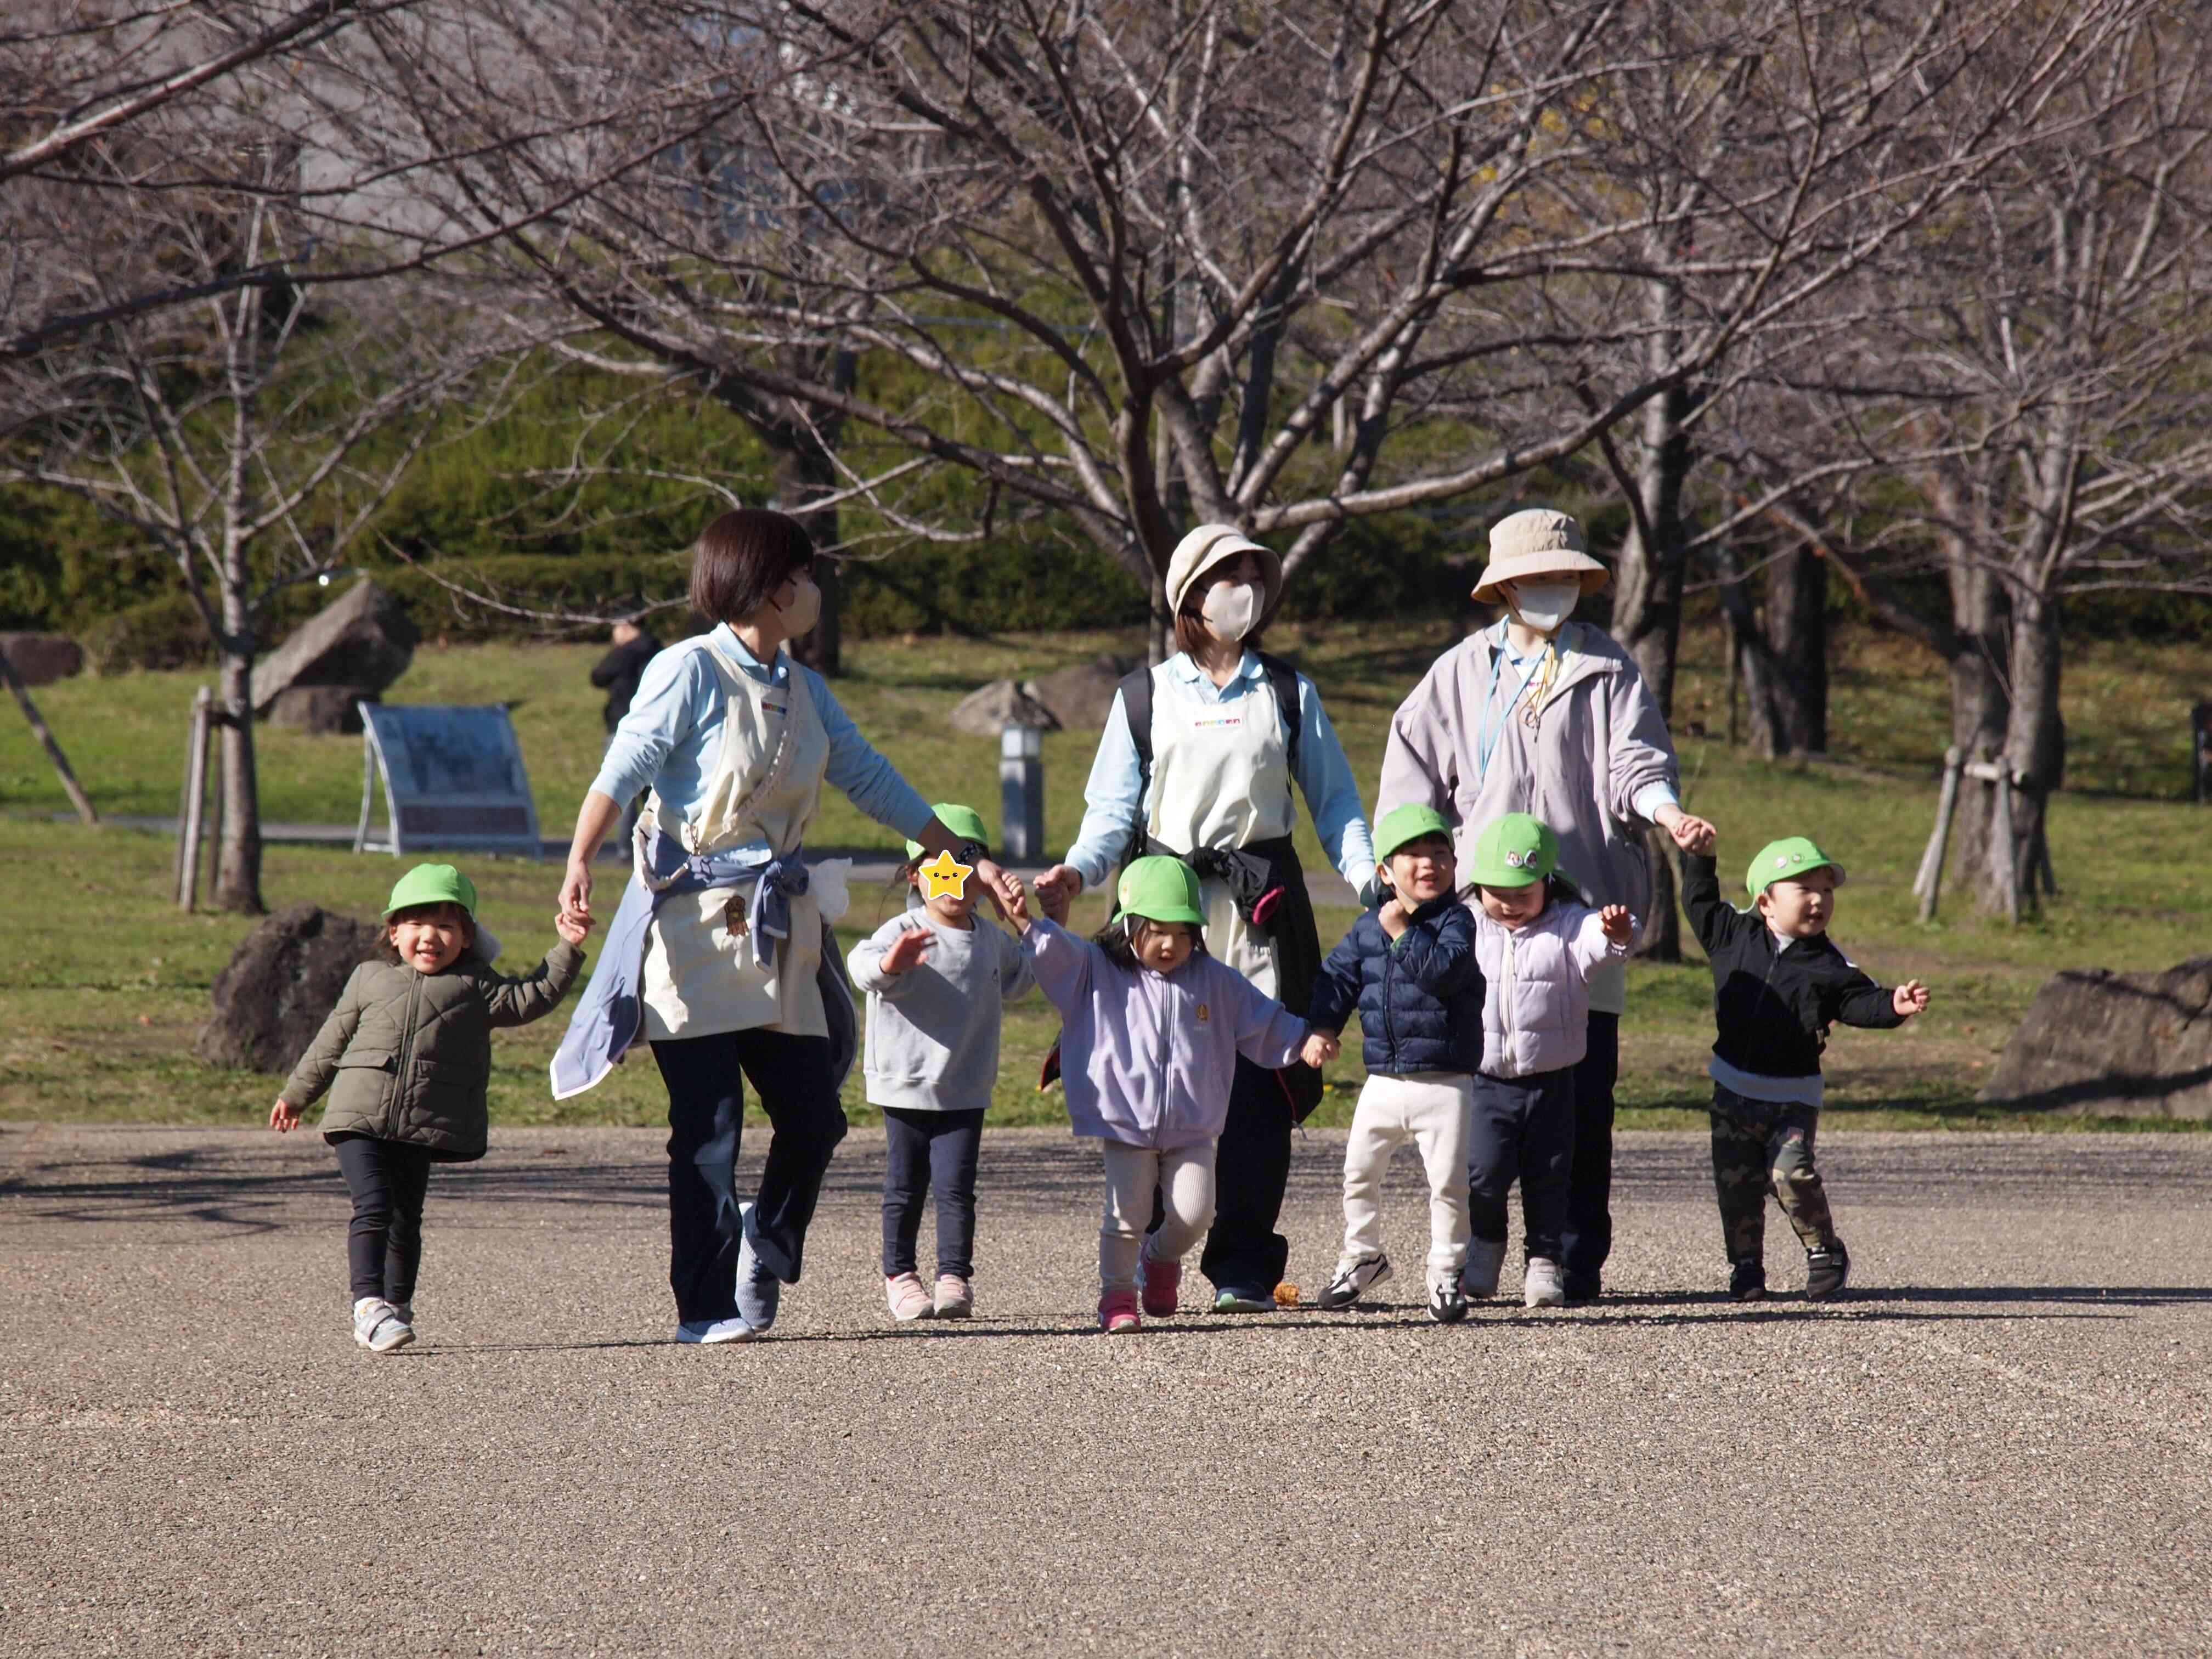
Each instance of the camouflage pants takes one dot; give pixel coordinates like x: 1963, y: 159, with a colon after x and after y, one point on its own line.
x: 1758, y: 1144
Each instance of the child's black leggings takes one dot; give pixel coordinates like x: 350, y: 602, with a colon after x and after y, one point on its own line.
x: 384, y: 1246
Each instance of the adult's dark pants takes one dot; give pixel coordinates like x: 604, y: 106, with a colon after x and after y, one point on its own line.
x: 705, y: 1118
x: 1587, y: 1239
x: 1251, y: 1166
x: 930, y: 1155
x: 388, y: 1181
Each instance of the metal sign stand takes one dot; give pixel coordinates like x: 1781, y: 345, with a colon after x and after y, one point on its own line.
x: 452, y: 775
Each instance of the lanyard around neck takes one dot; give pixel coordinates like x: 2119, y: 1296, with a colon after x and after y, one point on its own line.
x: 1486, y: 735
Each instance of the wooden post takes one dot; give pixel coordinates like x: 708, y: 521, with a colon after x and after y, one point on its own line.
x: 2002, y: 846
x: 188, y: 824
x: 70, y: 787
x: 1929, y: 884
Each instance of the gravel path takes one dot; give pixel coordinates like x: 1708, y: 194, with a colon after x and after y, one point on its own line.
x: 2003, y: 1444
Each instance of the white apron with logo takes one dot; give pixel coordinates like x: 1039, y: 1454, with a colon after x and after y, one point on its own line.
x: 1221, y: 777
x: 700, y: 975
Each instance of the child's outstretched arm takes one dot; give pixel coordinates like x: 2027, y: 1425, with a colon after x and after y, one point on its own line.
x: 320, y: 1063
x: 1336, y: 988
x: 1715, y: 922
x: 1061, y: 963
x: 1857, y: 1000
x: 1267, y: 1034
x: 882, y: 963
x: 536, y: 993
x: 1601, y: 936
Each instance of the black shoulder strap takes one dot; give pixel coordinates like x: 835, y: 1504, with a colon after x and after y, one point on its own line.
x: 1285, y: 679
x: 1136, y: 689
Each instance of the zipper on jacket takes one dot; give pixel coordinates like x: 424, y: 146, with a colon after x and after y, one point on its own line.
x: 1389, y: 1018
x: 405, y: 1057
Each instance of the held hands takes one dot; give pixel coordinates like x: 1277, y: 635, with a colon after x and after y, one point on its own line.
x: 1321, y: 1047
x: 283, y: 1116
x: 905, y: 952
x: 1909, y: 998
x: 1013, y: 903
x: 1391, y: 915
x: 1057, y: 890
x: 1620, y: 926
x: 995, y: 883
x: 1692, y: 835
x: 572, y: 927
x: 576, y: 897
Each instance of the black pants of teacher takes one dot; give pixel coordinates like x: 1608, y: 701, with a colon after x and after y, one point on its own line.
x: 930, y: 1155
x: 388, y: 1181
x: 1251, y: 1166
x: 705, y: 1119
x: 1588, y: 1240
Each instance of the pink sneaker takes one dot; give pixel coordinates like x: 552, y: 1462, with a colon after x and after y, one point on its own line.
x: 909, y: 1301
x: 1160, y: 1281
x: 1117, y: 1313
x: 955, y: 1300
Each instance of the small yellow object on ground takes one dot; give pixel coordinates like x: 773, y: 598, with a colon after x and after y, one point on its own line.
x: 1286, y: 1295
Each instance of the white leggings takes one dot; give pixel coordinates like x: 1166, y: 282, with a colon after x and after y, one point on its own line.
x: 1184, y: 1180
x: 1434, y: 1110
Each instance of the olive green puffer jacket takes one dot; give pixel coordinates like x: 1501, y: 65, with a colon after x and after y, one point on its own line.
x: 405, y: 1056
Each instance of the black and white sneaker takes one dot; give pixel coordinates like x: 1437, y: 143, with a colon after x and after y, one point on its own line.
x: 1355, y: 1281
x: 1447, y: 1301
x: 1747, y: 1282
x: 1827, y: 1273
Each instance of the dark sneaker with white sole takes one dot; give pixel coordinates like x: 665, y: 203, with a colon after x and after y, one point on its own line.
x: 1447, y: 1301
x: 1748, y: 1282
x: 1353, y: 1282
x: 1827, y: 1273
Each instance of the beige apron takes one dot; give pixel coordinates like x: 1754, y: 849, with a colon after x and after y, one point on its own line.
x: 1221, y: 777
x: 701, y: 975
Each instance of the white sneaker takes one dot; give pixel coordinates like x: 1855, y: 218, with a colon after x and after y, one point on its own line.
x: 956, y: 1298
x: 1353, y: 1280
x: 1477, y: 1279
x: 377, y: 1326
x: 909, y: 1301
x: 1542, y: 1285
x: 714, y: 1331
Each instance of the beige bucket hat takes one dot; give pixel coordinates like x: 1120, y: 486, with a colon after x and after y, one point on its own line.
x: 1537, y: 542
x: 1207, y: 546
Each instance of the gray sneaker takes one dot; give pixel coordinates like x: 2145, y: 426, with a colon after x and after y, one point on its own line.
x: 1354, y: 1281
x: 1542, y: 1285
x: 759, y: 1290
x: 1477, y: 1279
x: 377, y: 1326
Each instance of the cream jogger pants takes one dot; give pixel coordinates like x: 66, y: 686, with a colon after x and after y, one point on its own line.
x: 1436, y: 1111
x: 1184, y: 1180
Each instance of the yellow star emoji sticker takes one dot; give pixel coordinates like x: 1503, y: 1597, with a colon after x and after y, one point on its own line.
x: 943, y: 876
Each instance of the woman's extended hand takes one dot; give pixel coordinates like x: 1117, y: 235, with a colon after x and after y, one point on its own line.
x: 994, y: 881
x: 1692, y: 835
x: 575, y: 907
x: 1056, y: 889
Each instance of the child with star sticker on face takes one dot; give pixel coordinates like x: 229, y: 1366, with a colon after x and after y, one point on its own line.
x: 936, y: 978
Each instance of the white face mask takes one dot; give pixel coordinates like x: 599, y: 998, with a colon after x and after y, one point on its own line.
x: 804, y: 609
x: 1231, y: 608
x: 1544, y: 605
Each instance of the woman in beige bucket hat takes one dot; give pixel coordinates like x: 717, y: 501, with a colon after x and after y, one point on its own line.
x: 1199, y: 757
x: 1543, y: 715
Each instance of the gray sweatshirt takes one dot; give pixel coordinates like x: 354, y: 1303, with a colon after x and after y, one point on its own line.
x: 933, y: 1030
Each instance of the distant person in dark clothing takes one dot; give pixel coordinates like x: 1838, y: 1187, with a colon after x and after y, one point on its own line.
x: 617, y: 674
x: 617, y: 671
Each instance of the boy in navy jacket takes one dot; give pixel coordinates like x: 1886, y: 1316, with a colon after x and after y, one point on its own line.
x: 1779, y: 984
x: 1410, y: 968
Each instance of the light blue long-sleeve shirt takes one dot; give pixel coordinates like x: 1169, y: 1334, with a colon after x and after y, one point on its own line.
x: 673, y: 735
x: 1114, y: 795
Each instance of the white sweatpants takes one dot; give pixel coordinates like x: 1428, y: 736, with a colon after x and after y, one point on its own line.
x: 1184, y: 1180
x: 1436, y: 1111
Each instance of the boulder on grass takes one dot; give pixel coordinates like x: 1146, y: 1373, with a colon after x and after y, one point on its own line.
x: 364, y: 639
x: 280, y: 985
x: 983, y: 711
x: 1081, y: 697
x: 41, y: 658
x: 325, y: 708
x: 2114, y: 1045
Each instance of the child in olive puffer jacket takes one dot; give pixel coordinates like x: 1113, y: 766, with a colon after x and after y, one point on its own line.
x: 405, y: 1056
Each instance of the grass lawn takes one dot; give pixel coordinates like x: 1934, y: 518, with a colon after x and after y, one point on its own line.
x: 103, y: 982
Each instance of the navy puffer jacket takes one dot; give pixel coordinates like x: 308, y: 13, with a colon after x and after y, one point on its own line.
x: 1419, y: 997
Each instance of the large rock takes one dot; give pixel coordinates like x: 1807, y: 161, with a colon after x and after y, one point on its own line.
x: 325, y: 709
x: 1081, y: 697
x: 2133, y: 1045
x: 41, y: 658
x: 983, y: 711
x: 365, y: 638
x: 280, y: 985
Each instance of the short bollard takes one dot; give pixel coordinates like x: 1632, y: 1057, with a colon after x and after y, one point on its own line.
x: 1021, y: 792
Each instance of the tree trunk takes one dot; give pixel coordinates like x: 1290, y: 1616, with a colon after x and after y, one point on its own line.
x: 1753, y: 653
x: 1797, y: 635
x: 1980, y: 707
x: 804, y: 472
x: 1663, y: 929
x: 1647, y: 617
x: 2035, y: 754
x: 238, y: 857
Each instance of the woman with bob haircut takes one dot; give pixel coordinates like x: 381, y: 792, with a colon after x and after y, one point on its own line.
x: 720, y: 956
x: 1198, y: 759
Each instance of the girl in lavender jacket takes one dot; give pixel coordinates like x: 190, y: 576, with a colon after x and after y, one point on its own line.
x: 1154, y: 1026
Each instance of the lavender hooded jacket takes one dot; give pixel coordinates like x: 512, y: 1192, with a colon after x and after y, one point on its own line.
x: 1147, y: 1058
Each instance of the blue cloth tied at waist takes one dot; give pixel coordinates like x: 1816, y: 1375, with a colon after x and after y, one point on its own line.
x: 610, y: 1013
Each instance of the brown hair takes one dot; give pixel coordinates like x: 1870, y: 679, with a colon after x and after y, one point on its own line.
x: 742, y: 558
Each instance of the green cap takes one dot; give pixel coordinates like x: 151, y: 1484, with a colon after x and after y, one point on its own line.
x: 965, y: 822
x: 1407, y: 822
x: 1514, y: 851
x: 1161, y: 889
x: 432, y: 884
x: 1785, y: 860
